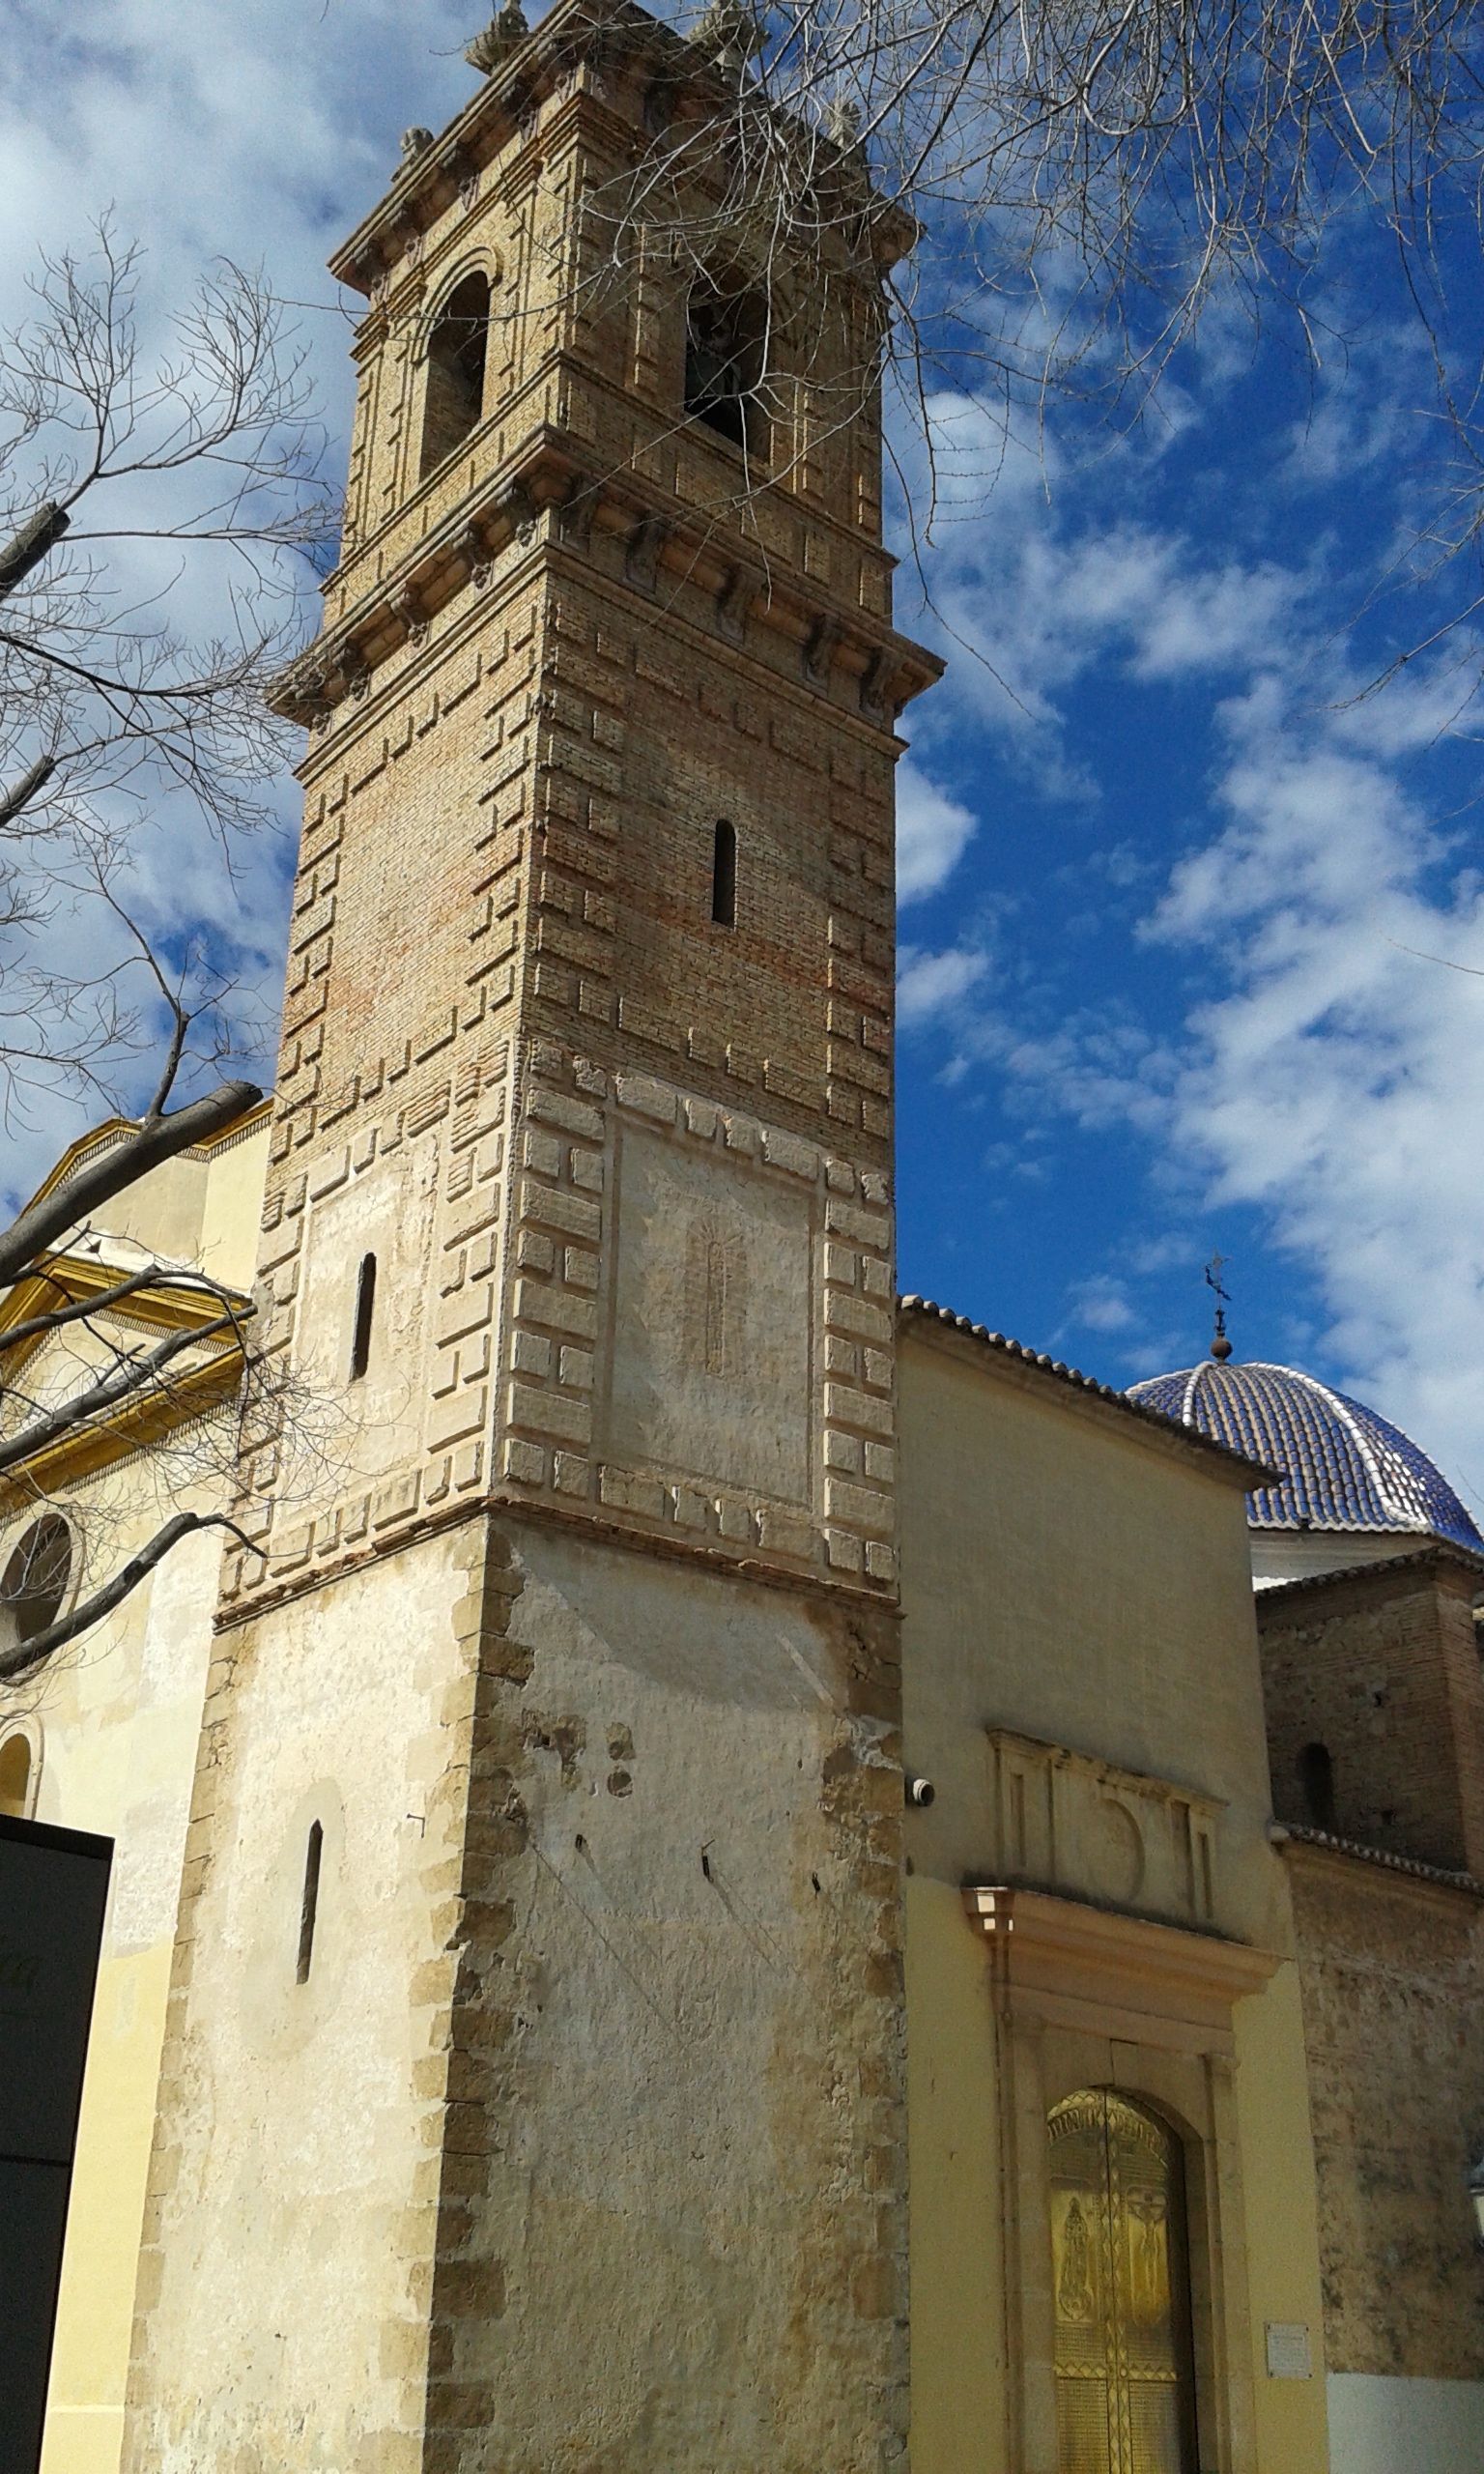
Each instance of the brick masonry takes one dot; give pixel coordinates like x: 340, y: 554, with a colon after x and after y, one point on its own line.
x: 607, y: 1532
x: 1380, y: 1666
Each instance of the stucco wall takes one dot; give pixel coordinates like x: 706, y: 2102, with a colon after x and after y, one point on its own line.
x: 286, y: 2323
x: 1394, y: 1969
x: 1404, y: 2426
x: 113, y: 1725
x: 1072, y: 1578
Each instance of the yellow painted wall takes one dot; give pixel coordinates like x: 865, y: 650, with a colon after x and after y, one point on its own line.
x: 1277, y: 2160
x: 119, y: 1719
x: 114, y: 1721
x: 1072, y: 1576
x: 957, y: 2308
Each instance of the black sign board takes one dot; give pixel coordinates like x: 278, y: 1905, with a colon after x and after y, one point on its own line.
x: 53, y: 1889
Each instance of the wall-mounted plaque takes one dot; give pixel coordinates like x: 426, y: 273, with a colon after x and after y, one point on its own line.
x: 1288, y: 2351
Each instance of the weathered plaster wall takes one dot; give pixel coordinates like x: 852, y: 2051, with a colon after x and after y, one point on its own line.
x: 599, y: 2034
x: 288, y: 2242
x: 1394, y: 1975
x: 684, y: 2132
x: 113, y: 1726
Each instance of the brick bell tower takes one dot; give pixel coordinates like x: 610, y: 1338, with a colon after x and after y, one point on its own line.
x: 532, y: 2097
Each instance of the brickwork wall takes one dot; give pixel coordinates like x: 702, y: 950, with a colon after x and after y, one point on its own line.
x: 1383, y: 1669
x: 629, y: 1406
x: 529, y: 795
x: 1393, y: 1974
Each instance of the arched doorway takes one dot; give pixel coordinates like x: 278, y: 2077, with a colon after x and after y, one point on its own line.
x: 1121, y: 2291
x: 16, y: 1775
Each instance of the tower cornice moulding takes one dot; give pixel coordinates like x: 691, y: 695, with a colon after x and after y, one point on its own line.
x: 547, y: 476
x: 576, y: 39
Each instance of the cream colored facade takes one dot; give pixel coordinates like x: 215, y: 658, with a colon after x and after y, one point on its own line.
x: 1093, y: 1900
x: 1083, y: 1694
x: 110, y: 1730
x: 537, y: 2075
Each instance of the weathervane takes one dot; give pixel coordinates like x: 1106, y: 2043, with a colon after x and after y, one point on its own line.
x: 1220, y: 1345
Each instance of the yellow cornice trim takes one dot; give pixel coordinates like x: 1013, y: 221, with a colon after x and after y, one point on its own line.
x: 130, y: 1427
x: 87, y: 1144
x: 173, y: 1305
x: 67, y: 1279
x: 1108, y: 1972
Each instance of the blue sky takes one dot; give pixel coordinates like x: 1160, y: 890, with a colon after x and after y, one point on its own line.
x: 1168, y: 873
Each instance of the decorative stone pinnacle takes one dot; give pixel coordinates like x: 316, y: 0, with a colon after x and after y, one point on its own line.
x: 730, y: 34
x: 498, y: 39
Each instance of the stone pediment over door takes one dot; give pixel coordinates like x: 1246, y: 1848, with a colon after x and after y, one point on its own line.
x: 1074, y: 1824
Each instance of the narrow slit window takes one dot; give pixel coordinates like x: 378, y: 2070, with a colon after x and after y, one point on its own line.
x: 312, y: 1902
x: 723, y: 875
x: 365, y: 1308
x: 1316, y: 1777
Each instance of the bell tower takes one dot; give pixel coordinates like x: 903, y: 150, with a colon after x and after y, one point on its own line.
x: 531, y: 2094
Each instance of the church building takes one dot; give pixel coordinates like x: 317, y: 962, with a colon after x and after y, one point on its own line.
x: 726, y: 1875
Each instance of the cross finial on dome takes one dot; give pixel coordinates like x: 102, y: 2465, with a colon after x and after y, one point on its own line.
x: 1220, y: 1345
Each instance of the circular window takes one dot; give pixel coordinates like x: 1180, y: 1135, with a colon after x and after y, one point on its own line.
x: 35, y: 1581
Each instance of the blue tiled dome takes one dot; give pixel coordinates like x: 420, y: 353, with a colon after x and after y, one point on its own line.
x: 1345, y: 1467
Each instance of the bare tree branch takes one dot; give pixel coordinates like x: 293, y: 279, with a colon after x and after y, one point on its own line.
x: 24, y: 1657
x: 80, y: 1310
x: 134, y: 1377
x: 97, y: 1182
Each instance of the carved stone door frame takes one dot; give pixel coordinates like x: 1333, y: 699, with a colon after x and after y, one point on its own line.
x: 1083, y: 1997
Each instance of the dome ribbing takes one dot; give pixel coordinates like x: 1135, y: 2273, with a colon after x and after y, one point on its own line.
x: 1343, y: 1467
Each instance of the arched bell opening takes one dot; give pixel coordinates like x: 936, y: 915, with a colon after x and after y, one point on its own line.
x: 725, y: 355
x: 453, y: 394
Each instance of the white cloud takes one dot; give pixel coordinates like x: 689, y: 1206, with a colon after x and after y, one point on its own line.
x: 1338, y: 1082
x: 255, y: 130
x: 1330, y: 1076
x: 929, y: 985
x: 1101, y: 1304
x: 933, y: 833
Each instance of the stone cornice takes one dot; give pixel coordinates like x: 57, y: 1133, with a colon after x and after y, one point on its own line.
x: 573, y: 35
x: 1299, y: 1843
x: 1076, y: 1965
x: 548, y: 477
x: 263, y: 1597
x: 1108, y: 1773
x: 941, y: 1326
x: 1440, y: 1555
